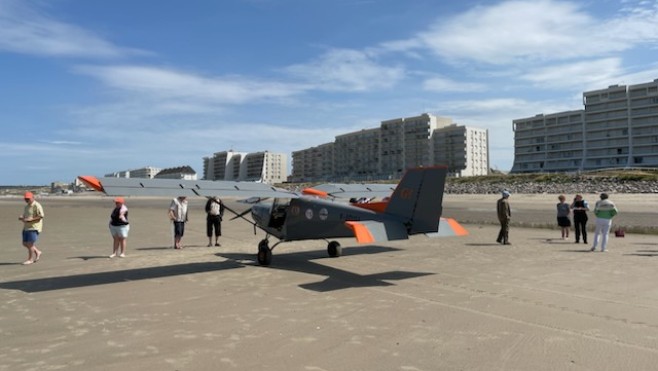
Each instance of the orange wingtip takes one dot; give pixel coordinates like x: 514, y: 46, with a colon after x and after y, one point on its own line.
x: 457, y: 228
x: 314, y: 192
x: 361, y: 233
x: 91, y: 182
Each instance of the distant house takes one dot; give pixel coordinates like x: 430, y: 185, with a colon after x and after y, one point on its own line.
x: 181, y: 172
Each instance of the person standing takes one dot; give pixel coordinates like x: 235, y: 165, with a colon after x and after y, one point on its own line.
x: 563, y: 211
x: 504, y: 216
x: 119, y: 227
x: 604, y: 210
x: 580, y: 208
x: 32, y: 219
x: 215, y: 213
x: 178, y: 215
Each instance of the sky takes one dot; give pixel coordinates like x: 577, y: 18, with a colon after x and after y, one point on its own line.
x: 89, y: 87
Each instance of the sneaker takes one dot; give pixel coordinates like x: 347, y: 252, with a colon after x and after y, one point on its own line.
x: 28, y: 262
x: 592, y: 249
x: 217, y: 244
x: 112, y: 256
x: 122, y: 255
x: 604, y: 250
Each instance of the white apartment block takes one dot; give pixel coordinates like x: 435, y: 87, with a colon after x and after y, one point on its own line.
x: 464, y: 150
x: 617, y: 128
x: 266, y: 167
x: 315, y: 163
x: 356, y: 155
x: 399, y: 144
x: 223, y: 165
x: 148, y: 172
x: 405, y: 142
x: 180, y: 172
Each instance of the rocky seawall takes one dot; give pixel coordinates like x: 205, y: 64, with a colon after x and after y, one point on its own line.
x: 577, y: 185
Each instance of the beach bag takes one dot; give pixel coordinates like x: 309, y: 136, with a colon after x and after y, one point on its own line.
x: 619, y: 232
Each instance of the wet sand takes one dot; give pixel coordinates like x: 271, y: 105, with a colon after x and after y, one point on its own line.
x: 424, y: 304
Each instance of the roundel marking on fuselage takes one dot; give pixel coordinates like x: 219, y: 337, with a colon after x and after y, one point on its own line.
x: 309, y: 214
x: 323, y: 214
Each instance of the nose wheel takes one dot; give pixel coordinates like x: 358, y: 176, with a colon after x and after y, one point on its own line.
x: 264, y: 253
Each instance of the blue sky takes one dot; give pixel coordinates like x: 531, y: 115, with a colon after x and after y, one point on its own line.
x: 91, y: 86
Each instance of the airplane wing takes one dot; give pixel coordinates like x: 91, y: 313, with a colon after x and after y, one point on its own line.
x: 368, y: 231
x: 175, y: 187
x: 336, y: 190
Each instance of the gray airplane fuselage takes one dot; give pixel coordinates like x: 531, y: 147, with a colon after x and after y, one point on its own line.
x: 309, y: 218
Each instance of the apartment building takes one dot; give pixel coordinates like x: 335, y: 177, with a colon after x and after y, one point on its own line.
x: 180, y: 172
x: 617, y: 128
x: 315, y: 163
x: 224, y: 165
x: 464, y: 150
x: 356, y: 154
x: 405, y: 142
x: 264, y: 167
x: 148, y: 172
x: 396, y: 145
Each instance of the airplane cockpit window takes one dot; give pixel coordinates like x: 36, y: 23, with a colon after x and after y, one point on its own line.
x: 279, y: 211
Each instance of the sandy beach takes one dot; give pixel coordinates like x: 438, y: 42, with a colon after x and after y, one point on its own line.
x: 458, y: 303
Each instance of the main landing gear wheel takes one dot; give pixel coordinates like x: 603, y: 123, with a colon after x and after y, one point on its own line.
x: 264, y: 253
x: 334, y: 249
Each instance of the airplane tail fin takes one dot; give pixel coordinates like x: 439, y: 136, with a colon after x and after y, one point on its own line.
x: 418, y: 199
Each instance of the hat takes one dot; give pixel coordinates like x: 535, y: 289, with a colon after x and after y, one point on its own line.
x: 119, y: 200
x: 506, y: 193
x: 29, y: 195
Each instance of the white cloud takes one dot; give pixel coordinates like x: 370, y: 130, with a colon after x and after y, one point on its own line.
x: 577, y: 75
x: 26, y: 30
x: 194, y: 90
x: 536, y: 31
x: 346, y: 70
x: 442, y: 84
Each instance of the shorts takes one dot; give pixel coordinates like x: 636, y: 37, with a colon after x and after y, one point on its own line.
x: 563, y: 221
x: 179, y: 229
x: 30, y: 236
x: 120, y: 231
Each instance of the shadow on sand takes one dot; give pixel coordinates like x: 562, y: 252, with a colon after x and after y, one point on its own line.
x: 104, y: 278
x: 336, y: 279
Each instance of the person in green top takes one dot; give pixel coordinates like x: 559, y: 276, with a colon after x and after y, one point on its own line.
x: 604, y: 210
x: 32, y: 219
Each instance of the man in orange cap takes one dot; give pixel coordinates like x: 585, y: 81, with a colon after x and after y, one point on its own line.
x: 119, y: 227
x: 32, y: 219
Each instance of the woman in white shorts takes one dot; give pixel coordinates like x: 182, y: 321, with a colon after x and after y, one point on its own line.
x: 119, y: 227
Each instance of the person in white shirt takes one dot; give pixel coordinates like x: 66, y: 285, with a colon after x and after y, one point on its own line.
x: 178, y: 215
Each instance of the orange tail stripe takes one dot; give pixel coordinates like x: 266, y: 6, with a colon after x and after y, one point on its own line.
x: 361, y: 233
x: 92, y: 182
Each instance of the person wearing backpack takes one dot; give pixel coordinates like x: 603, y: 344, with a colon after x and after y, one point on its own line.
x: 215, y: 213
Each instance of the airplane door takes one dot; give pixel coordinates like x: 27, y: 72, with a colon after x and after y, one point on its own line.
x: 279, y: 213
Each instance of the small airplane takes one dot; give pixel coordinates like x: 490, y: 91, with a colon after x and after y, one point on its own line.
x: 412, y: 207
